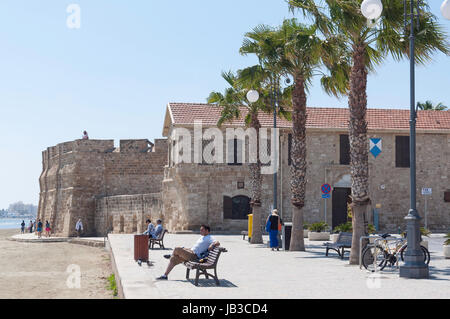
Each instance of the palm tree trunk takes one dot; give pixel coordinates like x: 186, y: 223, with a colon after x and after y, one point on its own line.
x: 298, y: 167
x: 256, y: 181
x: 359, y: 155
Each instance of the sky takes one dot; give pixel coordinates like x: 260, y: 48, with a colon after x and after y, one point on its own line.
x: 114, y: 75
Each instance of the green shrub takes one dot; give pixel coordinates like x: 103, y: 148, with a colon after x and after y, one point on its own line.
x: 113, y: 285
x: 447, y: 237
x: 305, y: 226
x: 424, y: 232
x: 343, y: 228
x: 371, y: 229
x: 318, y: 227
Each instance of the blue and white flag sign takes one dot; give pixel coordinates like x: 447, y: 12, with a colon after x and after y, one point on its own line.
x: 375, y: 146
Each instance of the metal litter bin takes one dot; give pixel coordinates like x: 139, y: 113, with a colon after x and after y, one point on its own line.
x: 286, y: 235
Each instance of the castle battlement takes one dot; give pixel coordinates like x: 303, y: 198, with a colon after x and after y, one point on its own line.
x: 75, y: 172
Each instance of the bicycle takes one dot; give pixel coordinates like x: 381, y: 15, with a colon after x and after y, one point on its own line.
x: 387, y: 252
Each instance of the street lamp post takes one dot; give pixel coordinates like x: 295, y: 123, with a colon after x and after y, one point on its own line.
x: 274, y: 151
x: 414, y: 266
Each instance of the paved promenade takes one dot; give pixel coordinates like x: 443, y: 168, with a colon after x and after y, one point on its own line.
x: 254, y: 271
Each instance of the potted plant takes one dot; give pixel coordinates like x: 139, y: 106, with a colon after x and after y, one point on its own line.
x: 447, y: 246
x: 342, y: 228
x: 305, y: 230
x: 317, y: 231
x: 424, y: 232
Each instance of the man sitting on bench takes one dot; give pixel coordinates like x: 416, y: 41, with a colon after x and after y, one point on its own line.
x: 180, y: 254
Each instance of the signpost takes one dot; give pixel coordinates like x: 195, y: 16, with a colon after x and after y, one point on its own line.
x: 326, y: 189
x: 426, y: 192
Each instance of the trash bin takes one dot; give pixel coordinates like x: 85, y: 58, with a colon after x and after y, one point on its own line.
x: 250, y: 226
x: 286, y: 233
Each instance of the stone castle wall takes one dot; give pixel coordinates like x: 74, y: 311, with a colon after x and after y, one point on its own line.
x: 126, y: 213
x: 75, y: 173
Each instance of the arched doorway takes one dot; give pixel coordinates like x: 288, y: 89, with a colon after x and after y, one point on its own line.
x: 237, y: 207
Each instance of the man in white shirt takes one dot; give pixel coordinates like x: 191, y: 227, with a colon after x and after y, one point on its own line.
x: 204, y: 243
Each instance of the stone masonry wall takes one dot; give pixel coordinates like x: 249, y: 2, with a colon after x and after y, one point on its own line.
x: 75, y: 173
x: 126, y: 213
x: 193, y: 193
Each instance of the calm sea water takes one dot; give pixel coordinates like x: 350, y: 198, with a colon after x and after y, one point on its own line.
x: 12, y: 223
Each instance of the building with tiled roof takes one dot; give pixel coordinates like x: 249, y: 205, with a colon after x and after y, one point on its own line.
x: 204, y: 191
x: 318, y: 117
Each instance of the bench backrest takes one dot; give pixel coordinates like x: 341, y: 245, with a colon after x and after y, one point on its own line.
x: 213, y: 256
x: 344, y: 238
x: 161, y: 236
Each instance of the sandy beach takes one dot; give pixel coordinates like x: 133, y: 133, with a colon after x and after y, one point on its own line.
x: 39, y: 270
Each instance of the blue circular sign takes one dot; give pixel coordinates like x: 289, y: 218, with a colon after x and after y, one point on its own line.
x: 326, y: 188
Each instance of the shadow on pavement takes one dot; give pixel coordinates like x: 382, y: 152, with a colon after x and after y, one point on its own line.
x: 211, y: 283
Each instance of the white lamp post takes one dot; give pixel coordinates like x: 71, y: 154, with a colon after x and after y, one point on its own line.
x: 414, y: 266
x: 252, y: 96
x: 445, y: 9
x: 371, y: 9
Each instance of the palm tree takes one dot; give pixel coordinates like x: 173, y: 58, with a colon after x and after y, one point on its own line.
x: 428, y: 105
x: 232, y: 102
x: 294, y: 49
x: 265, y: 76
x: 369, y: 47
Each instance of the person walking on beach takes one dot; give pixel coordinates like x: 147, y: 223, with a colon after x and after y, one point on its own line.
x: 275, y: 225
x: 22, y: 227
x: 39, y: 228
x: 31, y: 227
x: 47, y: 228
x: 79, y: 227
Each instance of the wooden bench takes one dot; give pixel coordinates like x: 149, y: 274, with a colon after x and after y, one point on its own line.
x: 159, y: 240
x: 210, y: 263
x: 343, y: 241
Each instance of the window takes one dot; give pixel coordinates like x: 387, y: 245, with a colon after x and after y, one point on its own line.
x: 402, y: 151
x: 235, y: 152
x: 344, y: 150
x: 237, y: 207
x: 289, y: 149
x: 447, y: 196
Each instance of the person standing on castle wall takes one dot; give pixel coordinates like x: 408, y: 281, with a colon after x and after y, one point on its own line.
x: 158, y: 229
x: 22, y: 227
x: 47, y: 228
x: 85, y: 135
x: 79, y: 227
x: 39, y: 228
x: 150, y: 229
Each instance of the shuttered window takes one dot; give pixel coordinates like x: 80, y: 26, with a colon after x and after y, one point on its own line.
x: 402, y: 151
x: 235, y: 156
x: 344, y: 150
x: 227, y: 207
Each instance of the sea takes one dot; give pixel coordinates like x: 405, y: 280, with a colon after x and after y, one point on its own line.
x: 12, y: 223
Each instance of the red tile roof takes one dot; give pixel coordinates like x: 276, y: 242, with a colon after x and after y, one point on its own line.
x: 318, y: 117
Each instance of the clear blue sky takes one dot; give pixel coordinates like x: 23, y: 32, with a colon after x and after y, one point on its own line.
x: 115, y: 75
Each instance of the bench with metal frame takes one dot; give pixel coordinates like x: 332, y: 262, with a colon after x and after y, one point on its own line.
x: 159, y: 240
x: 202, y: 267
x: 343, y: 241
